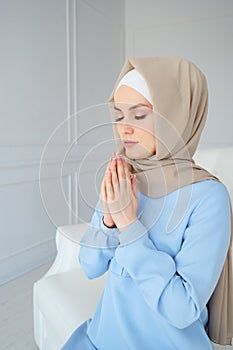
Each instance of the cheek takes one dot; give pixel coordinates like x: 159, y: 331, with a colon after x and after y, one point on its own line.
x: 119, y: 129
x: 146, y: 137
x: 147, y: 140
x: 147, y: 132
x: 150, y: 127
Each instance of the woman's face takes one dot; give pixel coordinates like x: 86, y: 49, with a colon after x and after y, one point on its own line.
x: 134, y: 119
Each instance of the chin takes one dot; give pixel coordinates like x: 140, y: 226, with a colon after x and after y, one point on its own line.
x: 137, y: 154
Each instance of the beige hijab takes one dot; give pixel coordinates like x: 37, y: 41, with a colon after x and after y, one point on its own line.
x: 180, y: 101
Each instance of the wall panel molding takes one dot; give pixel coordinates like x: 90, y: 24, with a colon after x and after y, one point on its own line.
x: 44, y: 251
x: 41, y: 144
x: 71, y: 54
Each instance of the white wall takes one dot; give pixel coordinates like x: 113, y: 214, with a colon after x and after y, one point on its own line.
x: 53, y: 56
x: 59, y: 57
x: 200, y: 30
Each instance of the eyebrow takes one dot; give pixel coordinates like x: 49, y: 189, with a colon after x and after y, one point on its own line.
x: 132, y: 107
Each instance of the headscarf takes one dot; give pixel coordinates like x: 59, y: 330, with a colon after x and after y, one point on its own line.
x: 179, y: 94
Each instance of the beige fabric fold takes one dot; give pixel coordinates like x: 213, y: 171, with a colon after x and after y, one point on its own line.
x: 180, y: 102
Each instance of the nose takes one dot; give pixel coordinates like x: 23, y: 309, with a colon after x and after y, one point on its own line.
x: 126, y: 129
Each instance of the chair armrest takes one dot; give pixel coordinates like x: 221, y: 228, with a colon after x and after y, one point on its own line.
x: 67, y: 243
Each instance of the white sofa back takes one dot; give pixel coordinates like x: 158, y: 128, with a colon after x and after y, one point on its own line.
x: 218, y: 161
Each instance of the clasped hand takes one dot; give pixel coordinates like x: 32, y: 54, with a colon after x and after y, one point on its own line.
x: 119, y: 194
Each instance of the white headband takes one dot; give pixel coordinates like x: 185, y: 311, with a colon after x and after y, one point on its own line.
x: 135, y: 80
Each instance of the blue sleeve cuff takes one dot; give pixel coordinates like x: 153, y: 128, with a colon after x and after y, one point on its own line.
x: 100, y: 236
x: 132, y: 233
x: 111, y: 233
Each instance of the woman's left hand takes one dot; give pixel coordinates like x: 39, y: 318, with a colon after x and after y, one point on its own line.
x: 121, y: 190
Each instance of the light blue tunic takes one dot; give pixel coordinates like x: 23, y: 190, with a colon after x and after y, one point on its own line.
x: 162, y: 270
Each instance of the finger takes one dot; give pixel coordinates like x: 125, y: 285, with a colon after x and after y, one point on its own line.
x: 134, y: 186
x: 109, y: 187
x: 129, y: 183
x: 109, y: 163
x: 127, y: 172
x: 104, y: 198
x: 103, y: 190
x: 120, y: 170
x: 102, y: 184
x: 114, y: 175
x: 108, y: 166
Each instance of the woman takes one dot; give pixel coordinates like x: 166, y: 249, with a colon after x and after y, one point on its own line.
x: 163, y: 235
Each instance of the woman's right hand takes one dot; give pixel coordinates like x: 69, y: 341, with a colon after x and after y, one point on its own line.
x: 107, y: 216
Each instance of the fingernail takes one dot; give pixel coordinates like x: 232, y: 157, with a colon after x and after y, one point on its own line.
x: 108, y: 173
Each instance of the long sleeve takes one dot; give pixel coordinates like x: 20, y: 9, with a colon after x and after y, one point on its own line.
x: 97, y: 245
x: 179, y: 287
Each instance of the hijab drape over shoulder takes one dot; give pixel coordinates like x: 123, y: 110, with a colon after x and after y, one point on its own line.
x: 179, y: 93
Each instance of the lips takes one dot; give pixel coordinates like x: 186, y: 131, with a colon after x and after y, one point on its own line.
x: 129, y: 143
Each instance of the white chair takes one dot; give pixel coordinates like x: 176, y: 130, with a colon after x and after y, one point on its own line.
x: 64, y: 297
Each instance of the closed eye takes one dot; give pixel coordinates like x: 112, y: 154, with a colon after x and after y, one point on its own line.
x: 138, y: 117
x: 118, y: 119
